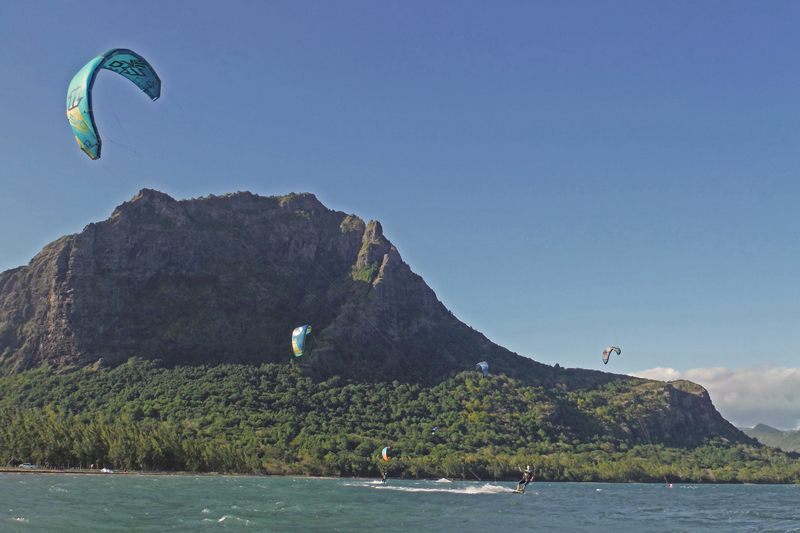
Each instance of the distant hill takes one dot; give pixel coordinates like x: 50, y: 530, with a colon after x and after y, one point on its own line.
x: 788, y: 441
x: 763, y: 428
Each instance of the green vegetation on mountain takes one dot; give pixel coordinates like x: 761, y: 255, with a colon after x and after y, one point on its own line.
x: 788, y: 441
x: 272, y: 419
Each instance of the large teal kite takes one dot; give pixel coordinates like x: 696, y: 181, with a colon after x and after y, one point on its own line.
x: 79, y: 98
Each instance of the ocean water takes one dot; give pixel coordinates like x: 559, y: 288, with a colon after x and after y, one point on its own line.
x: 80, y: 502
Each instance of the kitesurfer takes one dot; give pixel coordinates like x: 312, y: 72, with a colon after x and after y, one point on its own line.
x: 527, y: 477
x: 384, y: 476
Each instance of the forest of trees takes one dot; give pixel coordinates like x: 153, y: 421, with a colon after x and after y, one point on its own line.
x: 274, y: 420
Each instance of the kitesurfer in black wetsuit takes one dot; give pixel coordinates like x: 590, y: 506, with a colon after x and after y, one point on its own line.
x: 384, y: 476
x: 527, y: 477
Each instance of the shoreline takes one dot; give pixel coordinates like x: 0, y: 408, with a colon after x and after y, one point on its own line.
x: 7, y: 470
x: 11, y: 470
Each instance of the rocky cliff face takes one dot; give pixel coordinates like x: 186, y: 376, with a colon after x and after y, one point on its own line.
x: 226, y: 279
x: 685, y: 415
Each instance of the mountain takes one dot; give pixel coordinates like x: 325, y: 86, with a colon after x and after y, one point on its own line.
x: 788, y: 441
x: 763, y: 428
x: 224, y: 281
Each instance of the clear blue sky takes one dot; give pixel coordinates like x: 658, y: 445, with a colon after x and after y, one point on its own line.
x: 565, y: 175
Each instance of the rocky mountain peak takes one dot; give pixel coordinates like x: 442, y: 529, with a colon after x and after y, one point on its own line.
x: 302, y: 202
x: 373, y: 233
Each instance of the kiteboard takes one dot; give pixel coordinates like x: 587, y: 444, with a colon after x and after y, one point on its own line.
x: 519, y: 492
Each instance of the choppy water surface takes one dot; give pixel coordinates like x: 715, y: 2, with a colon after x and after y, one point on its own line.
x: 71, y: 502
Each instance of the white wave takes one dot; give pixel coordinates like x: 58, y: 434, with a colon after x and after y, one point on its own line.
x: 229, y: 517
x: 470, y: 489
x: 444, y: 480
x: 457, y: 488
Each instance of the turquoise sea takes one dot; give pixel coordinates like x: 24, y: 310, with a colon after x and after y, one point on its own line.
x: 80, y: 502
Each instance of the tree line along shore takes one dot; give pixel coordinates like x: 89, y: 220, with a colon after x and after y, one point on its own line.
x: 272, y: 419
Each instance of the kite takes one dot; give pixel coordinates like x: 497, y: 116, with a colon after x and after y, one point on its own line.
x: 607, y: 353
x: 80, y: 112
x: 299, y: 339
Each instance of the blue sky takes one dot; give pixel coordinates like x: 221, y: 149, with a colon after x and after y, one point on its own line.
x: 565, y: 175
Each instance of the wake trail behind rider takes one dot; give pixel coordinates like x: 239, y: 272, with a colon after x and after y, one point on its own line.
x: 527, y: 477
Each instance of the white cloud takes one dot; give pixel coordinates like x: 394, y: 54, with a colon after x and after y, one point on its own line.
x: 745, y: 396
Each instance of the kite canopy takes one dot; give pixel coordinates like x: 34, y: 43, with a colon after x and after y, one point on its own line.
x: 607, y: 353
x: 299, y: 339
x: 80, y: 112
x: 484, y: 366
x: 385, y: 453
